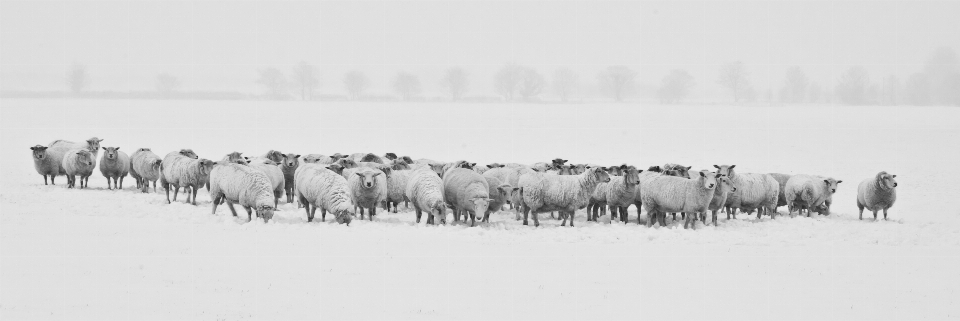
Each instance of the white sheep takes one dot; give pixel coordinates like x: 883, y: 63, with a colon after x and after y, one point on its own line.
x: 146, y: 165
x: 235, y: 183
x: 180, y: 170
x: 510, y: 176
x: 92, y: 145
x: 754, y: 191
x: 133, y: 169
x: 78, y: 162
x: 665, y: 194
x: 397, y: 189
x: 45, y: 165
x: 619, y: 193
x: 565, y: 193
x: 318, y: 159
x: 289, y: 166
x: 273, y: 155
x: 720, y: 195
x: 425, y: 192
x: 368, y: 188
x: 466, y: 192
x: 877, y: 193
x: 810, y: 192
x: 499, y: 195
x: 317, y: 186
x: 274, y: 173
x: 187, y: 153
x: 114, y: 164
x: 644, y: 177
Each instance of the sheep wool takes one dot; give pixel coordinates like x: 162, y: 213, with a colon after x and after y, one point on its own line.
x: 565, y: 193
x: 78, y: 162
x: 114, y: 164
x: 720, y: 194
x: 397, y: 189
x: 499, y: 195
x: 133, y: 169
x: 368, y: 187
x: 425, y: 192
x: 318, y: 187
x: 44, y: 164
x: 246, y: 186
x: 318, y: 159
x: 621, y: 192
x: 273, y: 155
x: 782, y: 180
x: 754, y: 191
x: 466, y: 192
x: 677, y: 194
x: 274, y: 173
x: 179, y: 170
x: 147, y: 165
x: 808, y: 192
x: 877, y: 193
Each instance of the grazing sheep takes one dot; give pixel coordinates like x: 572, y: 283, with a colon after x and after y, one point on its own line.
x: 368, y: 187
x: 289, y: 167
x: 397, y: 189
x: 273, y: 155
x: 274, y: 173
x: 114, y: 164
x: 499, y: 195
x: 466, y: 192
x: 720, y: 195
x: 320, y: 187
x: 564, y: 193
x: 78, y: 162
x: 44, y: 164
x: 878, y: 193
x: 681, y: 171
x: 425, y: 191
x: 754, y: 191
x: 619, y: 193
x: 809, y: 192
x: 782, y: 180
x: 147, y: 166
x: 178, y: 170
x: 92, y: 145
x: 665, y: 194
x: 235, y: 183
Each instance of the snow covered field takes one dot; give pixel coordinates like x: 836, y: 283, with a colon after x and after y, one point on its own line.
x: 99, y: 254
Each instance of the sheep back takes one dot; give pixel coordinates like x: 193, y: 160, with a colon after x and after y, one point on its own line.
x: 425, y: 191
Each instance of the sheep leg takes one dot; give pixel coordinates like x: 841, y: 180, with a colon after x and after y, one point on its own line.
x: 395, y: 204
x: 215, y: 204
x: 108, y: 184
x: 626, y: 216
x: 663, y: 218
x: 121, y: 182
x: 69, y: 181
x: 323, y: 213
x: 861, y: 211
x: 52, y: 178
x: 536, y: 219
x: 373, y: 211
x: 473, y: 218
x: 361, y: 213
x: 759, y: 213
x: 418, y: 213
x: 874, y: 215
x: 249, y: 213
x: 526, y: 213
x: 552, y: 217
x: 194, y: 199
x: 307, y: 209
x: 572, y: 214
x: 154, y: 186
x: 884, y: 214
x: 230, y: 206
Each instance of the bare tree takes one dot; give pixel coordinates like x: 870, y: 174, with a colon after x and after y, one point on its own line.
x: 274, y: 83
x: 531, y: 84
x: 356, y: 82
x: 616, y: 80
x: 77, y: 78
x: 675, y: 86
x: 565, y: 82
x: 852, y: 87
x: 506, y: 80
x: 455, y: 82
x: 795, y: 85
x: 305, y: 78
x: 734, y: 77
x: 167, y: 84
x: 407, y: 85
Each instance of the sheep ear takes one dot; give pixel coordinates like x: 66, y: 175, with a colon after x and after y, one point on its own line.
x: 33, y: 147
x: 702, y: 174
x: 717, y: 167
x: 827, y: 181
x: 296, y: 156
x: 116, y: 148
x: 689, y: 167
x: 78, y: 153
x: 894, y: 176
x: 838, y: 182
x: 732, y: 166
x: 104, y: 148
x: 358, y: 174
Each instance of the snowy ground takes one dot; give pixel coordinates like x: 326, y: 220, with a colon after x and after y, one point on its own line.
x: 99, y: 254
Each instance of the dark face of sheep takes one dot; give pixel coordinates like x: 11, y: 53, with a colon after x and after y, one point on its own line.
x: 336, y: 168
x: 557, y: 162
x: 156, y: 164
x: 344, y: 217
x: 631, y: 175
x: 654, y: 169
x: 110, y: 152
x: 368, y: 178
x: 189, y: 153
x: 480, y: 205
x: 265, y: 212
x: 39, y: 152
x: 709, y: 179
x: 601, y: 175
x: 504, y: 190
x: 291, y: 160
x: 407, y: 159
x: 399, y: 164
x: 832, y: 184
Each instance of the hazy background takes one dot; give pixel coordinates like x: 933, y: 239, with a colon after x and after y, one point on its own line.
x: 222, y: 45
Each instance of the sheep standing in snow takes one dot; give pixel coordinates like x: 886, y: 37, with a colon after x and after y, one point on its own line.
x: 320, y: 187
x: 509, y: 176
x: 147, y: 166
x: 644, y: 178
x: 368, y: 187
x: 92, y: 145
x: 235, y: 183
x: 665, y: 194
x: 720, y: 195
x: 425, y: 191
x: 619, y: 193
x: 44, y: 164
x: 878, y: 193
x: 810, y: 192
x: 782, y: 180
x: 133, y: 169
x: 754, y: 191
x: 499, y: 195
x: 78, y: 162
x: 564, y: 193
x: 114, y: 164
x: 179, y: 170
x: 397, y: 189
x: 466, y: 192
x: 289, y: 166
x: 274, y: 173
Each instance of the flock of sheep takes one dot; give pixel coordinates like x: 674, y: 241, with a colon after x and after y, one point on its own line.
x: 351, y: 185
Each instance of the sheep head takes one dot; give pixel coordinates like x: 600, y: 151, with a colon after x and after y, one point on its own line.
x: 265, y: 211
x: 189, y: 153
x: 831, y: 184
x: 344, y: 217
x: 600, y: 174
x: 110, y: 152
x: 480, y: 205
x: 85, y: 157
x: 39, y: 151
x: 274, y: 155
x: 504, y: 190
x: 390, y: 156
x: 726, y: 170
x: 886, y: 181
x: 205, y: 166
x: 93, y: 143
x: 631, y: 175
x: 709, y: 180
x: 291, y: 160
x: 368, y: 178
x: 407, y: 159
x: 336, y: 168
x: 726, y: 185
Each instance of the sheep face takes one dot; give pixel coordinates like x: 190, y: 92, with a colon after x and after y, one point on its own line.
x: 336, y: 168
x: 601, y: 175
x: 614, y: 171
x: 205, y: 166
x: 657, y: 169
x: 565, y: 170
x: 39, y: 152
x: 399, y: 164
x: 275, y: 156
x: 631, y: 175
x: 344, y: 217
x: 504, y: 190
x: 709, y: 180
x: 94, y: 143
x: 265, y: 212
x: 156, y: 164
x: 291, y: 160
x: 85, y: 156
x: 407, y: 159
x: 579, y: 169
x: 437, y: 168
x: 337, y: 156
x: 726, y: 185
x: 832, y: 184
x: 111, y: 152
x: 557, y: 162
x: 189, y: 153
x: 726, y: 170
x: 368, y: 178
x: 347, y: 163
x: 480, y: 205
x: 888, y: 181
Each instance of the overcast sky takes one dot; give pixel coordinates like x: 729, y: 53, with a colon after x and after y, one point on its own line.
x: 219, y: 45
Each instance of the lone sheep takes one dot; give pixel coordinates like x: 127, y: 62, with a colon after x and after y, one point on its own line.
x: 878, y: 193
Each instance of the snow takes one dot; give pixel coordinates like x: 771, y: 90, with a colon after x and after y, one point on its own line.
x: 100, y: 254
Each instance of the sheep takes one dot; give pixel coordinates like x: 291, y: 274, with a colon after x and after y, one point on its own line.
x: 318, y: 159
x: 720, y: 195
x: 458, y: 164
x: 235, y: 183
x: 782, y: 180
x: 580, y: 168
x: 466, y: 192
x: 147, y: 166
x: 178, y: 170
x: 681, y: 171
x: 289, y: 166
x: 614, y: 171
x: 78, y: 162
x: 878, y: 193
x: 274, y: 173
x: 92, y: 145
x: 564, y: 193
x: 133, y: 169
x: 643, y: 179
x: 541, y: 167
x: 618, y: 194
x: 511, y: 176
x: 407, y: 159
x: 480, y: 169
x: 320, y: 187
x: 45, y: 165
x: 499, y: 195
x: 390, y: 156
x: 425, y: 192
x: 347, y: 163
x: 397, y: 189
x: 114, y: 164
x: 370, y: 157
x: 754, y: 191
x: 665, y: 194
x: 188, y: 153
x: 809, y: 192
x: 368, y: 187
x: 236, y: 158
x: 273, y: 155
